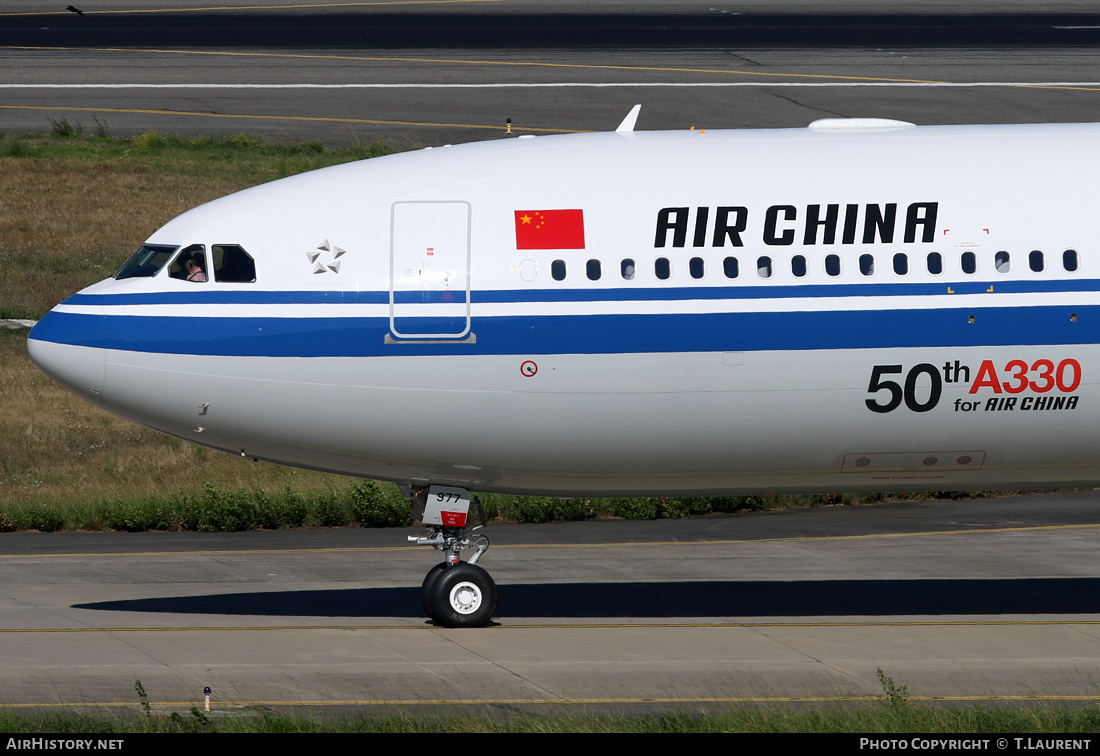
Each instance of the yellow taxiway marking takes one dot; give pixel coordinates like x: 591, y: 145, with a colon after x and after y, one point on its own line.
x: 312, y: 119
x: 600, y: 545
x: 294, y: 6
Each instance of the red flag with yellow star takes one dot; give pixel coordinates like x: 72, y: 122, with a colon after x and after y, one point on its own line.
x: 549, y: 229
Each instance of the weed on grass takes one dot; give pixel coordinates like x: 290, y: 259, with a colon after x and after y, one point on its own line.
x: 61, y: 127
x: 896, y: 696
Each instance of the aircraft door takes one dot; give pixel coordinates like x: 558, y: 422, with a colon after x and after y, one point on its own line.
x: 430, y: 270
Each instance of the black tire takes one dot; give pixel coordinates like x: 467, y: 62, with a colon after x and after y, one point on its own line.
x: 462, y: 595
x: 426, y: 587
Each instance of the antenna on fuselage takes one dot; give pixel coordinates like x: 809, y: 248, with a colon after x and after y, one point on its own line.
x: 627, y: 126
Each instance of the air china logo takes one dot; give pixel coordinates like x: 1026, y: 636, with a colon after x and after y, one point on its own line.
x: 317, y: 257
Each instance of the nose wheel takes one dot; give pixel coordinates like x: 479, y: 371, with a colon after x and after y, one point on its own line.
x: 459, y: 595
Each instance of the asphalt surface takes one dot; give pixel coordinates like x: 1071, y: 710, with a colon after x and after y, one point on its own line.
x: 986, y: 600
x: 435, y: 73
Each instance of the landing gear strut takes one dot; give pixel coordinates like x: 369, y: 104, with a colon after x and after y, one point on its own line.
x: 454, y: 593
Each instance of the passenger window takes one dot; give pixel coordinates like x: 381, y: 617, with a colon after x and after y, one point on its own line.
x: 901, y: 264
x: 628, y: 269
x: 233, y: 265
x: 696, y: 267
x: 190, y: 265
x: 1002, y: 262
x: 969, y: 263
x: 867, y: 265
x: 730, y: 267
x: 593, y: 270
x: 935, y: 263
x: 661, y: 268
x: 557, y: 270
x: 146, y: 261
x: 1035, y: 261
x: 764, y: 266
x: 1069, y: 260
x: 832, y: 265
x: 798, y: 266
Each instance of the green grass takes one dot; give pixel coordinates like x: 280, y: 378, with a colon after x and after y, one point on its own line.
x: 870, y: 718
x: 362, y: 503
x: 891, y: 713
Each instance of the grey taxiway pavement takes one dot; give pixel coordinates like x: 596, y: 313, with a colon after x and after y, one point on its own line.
x: 433, y: 73
x: 989, y: 599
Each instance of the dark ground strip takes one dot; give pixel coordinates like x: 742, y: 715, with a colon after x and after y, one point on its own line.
x: 550, y: 31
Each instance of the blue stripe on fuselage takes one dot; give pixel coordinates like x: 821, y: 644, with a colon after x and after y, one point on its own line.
x: 581, y: 334
x: 619, y: 294
x: 267, y: 297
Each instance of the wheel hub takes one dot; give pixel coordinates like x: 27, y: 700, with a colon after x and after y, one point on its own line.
x: 465, y: 598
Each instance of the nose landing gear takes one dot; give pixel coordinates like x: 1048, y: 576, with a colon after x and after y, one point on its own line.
x: 454, y: 593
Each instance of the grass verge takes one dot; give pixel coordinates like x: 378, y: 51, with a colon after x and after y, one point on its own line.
x: 857, y: 718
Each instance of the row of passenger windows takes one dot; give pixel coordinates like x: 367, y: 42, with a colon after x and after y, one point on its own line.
x: 765, y: 265
x: 231, y: 264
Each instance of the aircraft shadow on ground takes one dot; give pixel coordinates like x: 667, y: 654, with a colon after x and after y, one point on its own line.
x: 807, y: 598
x: 605, y: 31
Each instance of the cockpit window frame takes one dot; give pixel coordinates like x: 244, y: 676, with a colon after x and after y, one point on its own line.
x: 137, y: 266
x: 195, y: 252
x: 231, y: 263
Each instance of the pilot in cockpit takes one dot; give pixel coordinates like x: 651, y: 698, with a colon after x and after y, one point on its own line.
x: 194, y: 270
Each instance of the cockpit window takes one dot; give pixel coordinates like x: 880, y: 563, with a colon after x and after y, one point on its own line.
x: 232, y: 264
x: 190, y: 265
x: 146, y: 261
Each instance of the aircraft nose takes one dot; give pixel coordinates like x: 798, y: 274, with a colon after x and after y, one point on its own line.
x: 78, y: 367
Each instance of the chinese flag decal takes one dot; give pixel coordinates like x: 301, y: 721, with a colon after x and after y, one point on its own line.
x: 549, y: 229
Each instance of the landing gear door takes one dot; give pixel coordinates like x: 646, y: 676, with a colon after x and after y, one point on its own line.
x: 430, y: 270
x: 447, y: 506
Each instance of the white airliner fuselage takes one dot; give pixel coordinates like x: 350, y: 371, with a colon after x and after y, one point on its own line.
x: 630, y: 314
